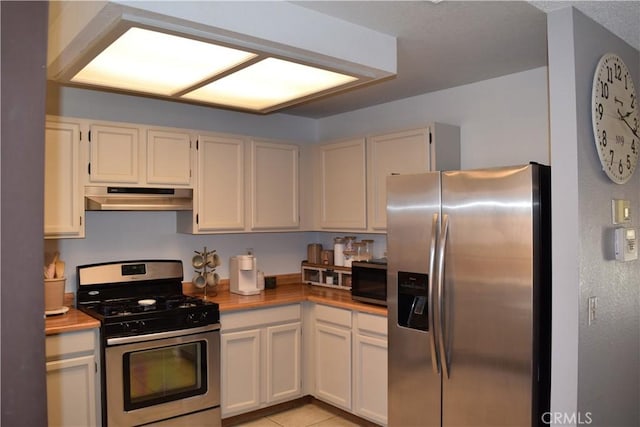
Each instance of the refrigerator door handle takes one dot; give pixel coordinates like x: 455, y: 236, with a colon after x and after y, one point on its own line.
x: 444, y: 362
x: 435, y: 362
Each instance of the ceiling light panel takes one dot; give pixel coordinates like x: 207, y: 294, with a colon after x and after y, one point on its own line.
x: 268, y: 83
x: 154, y: 62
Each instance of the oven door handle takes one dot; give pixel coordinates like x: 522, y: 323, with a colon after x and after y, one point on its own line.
x: 162, y: 335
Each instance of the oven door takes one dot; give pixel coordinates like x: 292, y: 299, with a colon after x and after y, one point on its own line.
x: 163, y: 375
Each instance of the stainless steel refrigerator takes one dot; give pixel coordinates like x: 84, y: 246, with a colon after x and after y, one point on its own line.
x: 469, y: 297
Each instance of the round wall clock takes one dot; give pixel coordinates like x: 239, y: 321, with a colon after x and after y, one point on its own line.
x: 615, y: 118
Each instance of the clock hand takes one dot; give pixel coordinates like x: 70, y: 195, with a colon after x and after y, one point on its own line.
x: 625, y: 116
x: 615, y: 99
x: 633, y: 130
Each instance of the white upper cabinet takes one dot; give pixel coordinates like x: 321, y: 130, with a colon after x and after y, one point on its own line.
x: 274, y: 182
x: 132, y: 155
x: 63, y: 209
x: 394, y: 153
x: 114, y: 154
x: 341, y: 169
x: 219, y: 199
x: 432, y: 148
x: 243, y: 185
x: 239, y: 184
x: 351, y: 175
x: 169, y: 157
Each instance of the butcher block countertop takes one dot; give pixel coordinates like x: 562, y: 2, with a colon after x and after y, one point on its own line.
x: 289, y: 290
x: 285, y: 294
x: 72, y: 320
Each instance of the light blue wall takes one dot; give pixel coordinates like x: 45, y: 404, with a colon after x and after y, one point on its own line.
x: 93, y: 104
x: 503, y: 121
x: 493, y: 133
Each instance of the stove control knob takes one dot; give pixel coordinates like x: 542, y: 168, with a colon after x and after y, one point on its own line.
x: 195, y: 318
x: 191, y: 318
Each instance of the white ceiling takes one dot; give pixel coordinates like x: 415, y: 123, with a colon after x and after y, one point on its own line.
x: 452, y: 43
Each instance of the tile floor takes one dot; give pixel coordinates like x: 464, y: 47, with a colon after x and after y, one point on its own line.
x: 304, y: 416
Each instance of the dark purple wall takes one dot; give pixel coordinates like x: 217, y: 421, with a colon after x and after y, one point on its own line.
x: 24, y: 52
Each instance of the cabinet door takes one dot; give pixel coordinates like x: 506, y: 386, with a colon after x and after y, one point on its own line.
x: 63, y: 212
x: 370, y: 378
x: 394, y: 153
x: 71, y: 393
x: 220, y: 183
x: 283, y: 357
x: 343, y: 198
x: 333, y: 365
x: 274, y: 186
x: 240, y: 376
x: 114, y: 154
x: 168, y: 158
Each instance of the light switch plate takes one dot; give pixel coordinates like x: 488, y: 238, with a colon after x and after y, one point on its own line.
x: 620, y: 211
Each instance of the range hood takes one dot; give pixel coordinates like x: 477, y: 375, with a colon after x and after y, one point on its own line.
x: 137, y: 199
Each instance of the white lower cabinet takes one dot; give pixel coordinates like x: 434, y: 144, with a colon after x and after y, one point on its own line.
x: 370, y: 368
x: 333, y: 356
x: 345, y: 362
x: 72, y: 379
x: 241, y: 371
x: 261, y: 362
x: 350, y: 357
x: 284, y: 362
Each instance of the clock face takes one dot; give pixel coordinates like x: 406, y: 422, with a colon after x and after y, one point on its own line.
x: 615, y: 118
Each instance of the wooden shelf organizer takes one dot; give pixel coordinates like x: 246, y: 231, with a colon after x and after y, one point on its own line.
x: 316, y: 274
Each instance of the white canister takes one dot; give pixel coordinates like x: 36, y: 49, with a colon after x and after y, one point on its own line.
x: 329, y: 278
x: 338, y: 251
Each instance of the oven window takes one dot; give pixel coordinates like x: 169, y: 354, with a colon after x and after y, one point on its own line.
x: 164, y: 374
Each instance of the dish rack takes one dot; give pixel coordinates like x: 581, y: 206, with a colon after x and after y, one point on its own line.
x: 329, y: 276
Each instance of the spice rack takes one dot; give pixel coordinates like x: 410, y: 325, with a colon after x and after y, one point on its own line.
x: 330, y: 276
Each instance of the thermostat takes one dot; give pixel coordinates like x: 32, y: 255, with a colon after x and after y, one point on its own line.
x: 626, y: 244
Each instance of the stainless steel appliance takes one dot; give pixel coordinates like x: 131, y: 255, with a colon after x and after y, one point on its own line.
x: 369, y: 281
x: 469, y: 297
x: 137, y: 199
x: 160, y: 348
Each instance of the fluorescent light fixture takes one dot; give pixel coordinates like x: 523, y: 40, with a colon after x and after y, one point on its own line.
x: 158, y: 63
x: 191, y: 51
x: 268, y: 83
x: 182, y: 68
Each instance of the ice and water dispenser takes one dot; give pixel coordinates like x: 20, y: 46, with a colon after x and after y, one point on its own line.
x: 413, y: 300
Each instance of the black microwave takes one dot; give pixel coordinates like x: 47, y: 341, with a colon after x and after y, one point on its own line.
x: 369, y: 281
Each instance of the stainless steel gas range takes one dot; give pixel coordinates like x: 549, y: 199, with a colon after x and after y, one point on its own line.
x: 160, y: 348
